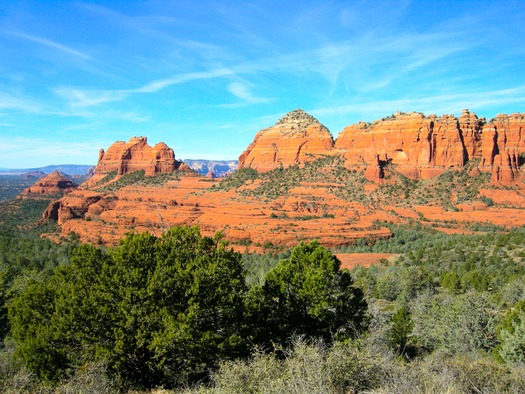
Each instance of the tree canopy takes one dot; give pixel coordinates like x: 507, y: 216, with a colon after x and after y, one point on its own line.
x: 308, y: 295
x: 164, y: 310
x: 156, y: 310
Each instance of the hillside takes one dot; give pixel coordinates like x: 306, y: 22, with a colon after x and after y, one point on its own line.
x: 317, y: 192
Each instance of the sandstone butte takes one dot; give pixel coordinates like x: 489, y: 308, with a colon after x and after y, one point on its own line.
x: 295, y: 138
x: 419, y: 146
x: 415, y: 145
x: 51, y: 184
x: 134, y: 155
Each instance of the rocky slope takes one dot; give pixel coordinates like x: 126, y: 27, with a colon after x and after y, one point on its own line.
x: 451, y: 173
x: 51, y: 184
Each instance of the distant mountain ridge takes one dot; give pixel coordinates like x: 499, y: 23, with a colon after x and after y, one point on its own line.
x: 70, y: 169
x: 217, y: 168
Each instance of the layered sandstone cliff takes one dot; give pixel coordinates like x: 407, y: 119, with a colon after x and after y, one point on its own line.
x: 134, y: 155
x: 417, y: 145
x: 296, y: 138
x: 503, y: 147
x: 51, y: 184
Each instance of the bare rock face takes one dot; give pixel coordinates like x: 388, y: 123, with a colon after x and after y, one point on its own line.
x: 503, y: 147
x: 294, y: 139
x: 73, y: 206
x: 426, y: 146
x: 135, y: 155
x: 471, y: 128
x: 419, y: 146
x: 51, y: 184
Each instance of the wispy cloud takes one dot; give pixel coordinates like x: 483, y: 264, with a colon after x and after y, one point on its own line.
x: 88, y: 98
x: 242, y: 91
x: 93, y: 97
x: 10, y: 102
x: 157, y: 85
x: 438, y: 104
x: 52, y: 44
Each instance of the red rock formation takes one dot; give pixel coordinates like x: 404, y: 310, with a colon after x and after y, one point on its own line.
x: 503, y: 147
x: 51, y: 184
x: 73, y: 206
x: 471, y: 128
x: 135, y: 155
x: 419, y: 146
x: 296, y: 138
x: 424, y: 147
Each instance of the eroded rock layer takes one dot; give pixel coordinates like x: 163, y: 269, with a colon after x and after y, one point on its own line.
x: 418, y: 146
x: 134, y: 155
x: 503, y: 147
x: 51, y: 184
x: 426, y: 146
x: 296, y: 138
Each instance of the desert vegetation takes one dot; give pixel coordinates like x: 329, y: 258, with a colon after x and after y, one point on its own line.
x: 12, y: 185
x: 185, y: 313
x: 453, y: 187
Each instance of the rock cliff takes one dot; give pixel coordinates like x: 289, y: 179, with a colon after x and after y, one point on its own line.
x: 51, y: 184
x: 419, y: 146
x: 426, y: 146
x: 503, y: 147
x: 416, y: 145
x: 135, y: 155
x: 296, y: 138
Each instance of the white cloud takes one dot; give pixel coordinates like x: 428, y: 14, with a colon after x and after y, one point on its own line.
x: 88, y: 98
x: 11, y: 102
x: 242, y: 91
x: 52, y: 44
x: 157, y: 85
x: 438, y: 104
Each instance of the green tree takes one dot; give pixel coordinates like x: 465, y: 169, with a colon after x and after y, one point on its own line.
x: 400, y: 330
x: 39, y: 344
x: 156, y: 311
x: 511, y: 334
x: 307, y: 294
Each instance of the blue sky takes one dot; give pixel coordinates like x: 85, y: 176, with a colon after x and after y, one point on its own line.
x: 205, y: 76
